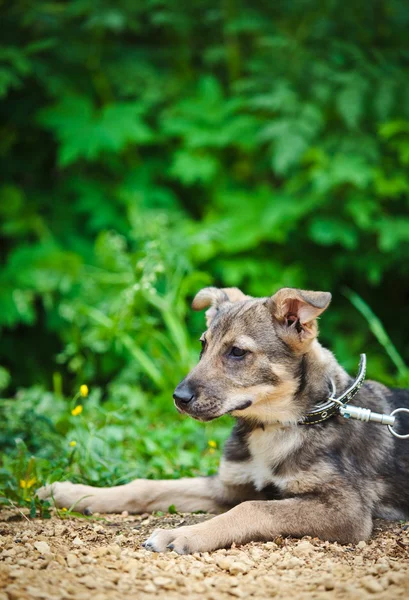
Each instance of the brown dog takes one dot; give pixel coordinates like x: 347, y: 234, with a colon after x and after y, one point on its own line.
x: 262, y: 363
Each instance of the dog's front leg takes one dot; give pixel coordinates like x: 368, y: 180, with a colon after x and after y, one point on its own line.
x: 340, y: 519
x: 207, y: 494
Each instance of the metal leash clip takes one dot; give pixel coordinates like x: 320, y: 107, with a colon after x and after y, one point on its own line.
x: 365, y: 414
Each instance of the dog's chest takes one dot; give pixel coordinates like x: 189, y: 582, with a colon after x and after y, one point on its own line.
x: 268, y: 448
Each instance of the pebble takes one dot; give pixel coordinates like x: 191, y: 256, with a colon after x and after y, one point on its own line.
x: 89, y: 582
x: 232, y: 566
x: 100, y: 551
x: 72, y: 560
x: 361, y: 544
x: 162, y: 581
x: 290, y: 562
x: 237, y: 592
x: 371, y: 585
x: 304, y: 548
x: 398, y: 578
x: 99, y: 529
x: 328, y: 583
x: 13, y: 592
x: 42, y: 547
x: 77, y: 541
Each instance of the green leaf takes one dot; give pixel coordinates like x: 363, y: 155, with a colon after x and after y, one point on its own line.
x: 328, y: 232
x: 84, y: 132
x: 351, y: 100
x: 190, y: 168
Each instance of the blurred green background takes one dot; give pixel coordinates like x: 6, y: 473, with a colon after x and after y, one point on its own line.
x: 151, y: 148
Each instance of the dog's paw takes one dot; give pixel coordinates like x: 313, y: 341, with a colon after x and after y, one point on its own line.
x: 64, y: 494
x: 183, y: 540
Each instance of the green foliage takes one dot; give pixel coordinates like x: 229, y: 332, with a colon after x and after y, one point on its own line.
x: 151, y: 148
x: 108, y: 443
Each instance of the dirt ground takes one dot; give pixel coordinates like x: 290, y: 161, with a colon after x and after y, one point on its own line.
x: 102, y: 558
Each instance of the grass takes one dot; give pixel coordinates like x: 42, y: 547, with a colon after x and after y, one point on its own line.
x: 106, y: 443
x: 378, y: 330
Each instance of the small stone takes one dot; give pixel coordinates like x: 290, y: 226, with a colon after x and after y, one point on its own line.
x: 238, y: 567
x: 131, y: 565
x: 15, y: 573
x: 162, y: 581
x: 100, y: 551
x: 269, y: 581
x: 237, y: 592
x: 371, y: 585
x: 329, y: 583
x: 150, y: 588
x: 42, y: 547
x: 89, y: 582
x: 397, y: 578
x: 303, y: 548
x: 72, y: 560
x: 290, y: 562
x: 77, y: 541
x: 361, y: 544
x: 198, y: 588
x: 114, y: 549
x: 224, y: 563
x: 232, y: 566
x: 99, y: 529
x: 87, y: 560
x: 13, y: 592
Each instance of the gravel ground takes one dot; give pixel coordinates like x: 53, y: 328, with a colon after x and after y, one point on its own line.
x: 79, y: 558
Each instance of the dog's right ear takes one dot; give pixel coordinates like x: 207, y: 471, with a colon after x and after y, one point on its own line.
x: 214, y: 297
x: 296, y: 311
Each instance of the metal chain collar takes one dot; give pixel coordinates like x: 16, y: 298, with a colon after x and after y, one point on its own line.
x: 338, y: 406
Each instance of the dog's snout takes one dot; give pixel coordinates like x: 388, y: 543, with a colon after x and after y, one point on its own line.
x: 183, y: 394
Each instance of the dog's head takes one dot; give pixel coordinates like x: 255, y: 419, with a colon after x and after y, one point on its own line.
x: 251, y: 354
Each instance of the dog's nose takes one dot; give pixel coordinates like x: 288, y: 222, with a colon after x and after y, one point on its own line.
x: 183, y: 394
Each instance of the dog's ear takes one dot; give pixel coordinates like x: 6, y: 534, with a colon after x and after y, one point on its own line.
x: 214, y: 297
x: 297, y: 312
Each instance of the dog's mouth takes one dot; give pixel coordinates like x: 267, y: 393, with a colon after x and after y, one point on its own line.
x: 209, y: 415
x: 196, y: 414
x: 242, y: 406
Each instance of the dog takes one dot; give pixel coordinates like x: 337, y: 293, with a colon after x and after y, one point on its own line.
x: 261, y: 362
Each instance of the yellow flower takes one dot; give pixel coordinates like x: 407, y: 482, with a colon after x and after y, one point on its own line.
x: 73, y: 443
x: 64, y: 509
x: 27, y: 483
x: 212, y: 444
x: 84, y: 390
x: 77, y: 410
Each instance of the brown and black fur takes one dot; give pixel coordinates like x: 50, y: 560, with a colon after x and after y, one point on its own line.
x: 261, y: 362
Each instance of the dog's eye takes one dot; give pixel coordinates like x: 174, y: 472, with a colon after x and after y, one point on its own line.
x: 204, y: 344
x: 237, y: 352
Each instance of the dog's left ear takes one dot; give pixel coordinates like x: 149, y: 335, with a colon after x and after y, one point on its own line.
x: 215, y: 297
x: 297, y: 312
